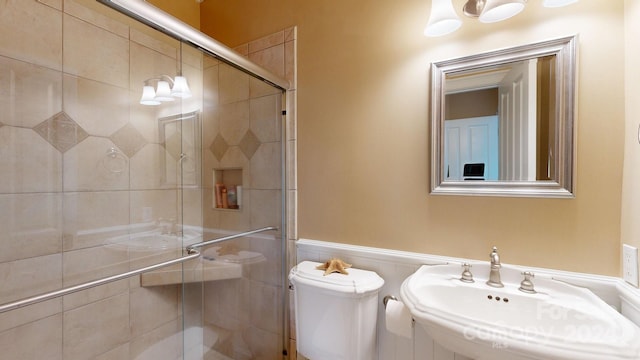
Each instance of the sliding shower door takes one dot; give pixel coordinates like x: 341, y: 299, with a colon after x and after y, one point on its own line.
x: 114, y: 138
x: 243, y: 304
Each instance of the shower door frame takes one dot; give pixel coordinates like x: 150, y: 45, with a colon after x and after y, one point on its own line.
x: 171, y: 26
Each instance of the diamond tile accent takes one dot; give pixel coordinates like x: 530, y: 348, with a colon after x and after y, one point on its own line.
x: 249, y: 144
x: 129, y: 140
x: 219, y: 147
x: 61, y: 131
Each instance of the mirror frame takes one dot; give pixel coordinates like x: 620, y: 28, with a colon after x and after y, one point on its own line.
x: 565, y: 50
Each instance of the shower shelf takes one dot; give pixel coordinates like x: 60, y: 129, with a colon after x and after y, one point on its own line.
x: 204, y: 270
x: 227, y: 179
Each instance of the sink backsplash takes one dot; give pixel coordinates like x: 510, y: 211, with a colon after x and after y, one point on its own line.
x: 395, y: 266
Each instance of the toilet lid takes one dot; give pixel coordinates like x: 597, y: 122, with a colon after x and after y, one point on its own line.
x: 357, y: 281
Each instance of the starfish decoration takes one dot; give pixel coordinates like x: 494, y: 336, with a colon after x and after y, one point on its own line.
x: 334, y: 265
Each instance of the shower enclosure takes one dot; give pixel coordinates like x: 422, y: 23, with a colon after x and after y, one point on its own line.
x: 131, y: 230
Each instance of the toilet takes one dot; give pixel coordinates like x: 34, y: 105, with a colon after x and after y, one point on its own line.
x: 335, y: 314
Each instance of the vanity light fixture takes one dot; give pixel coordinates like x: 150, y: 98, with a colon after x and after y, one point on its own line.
x: 443, y: 19
x: 167, y: 89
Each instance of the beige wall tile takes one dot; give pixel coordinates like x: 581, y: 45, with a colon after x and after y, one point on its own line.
x: 31, y: 225
x: 162, y: 203
x: 147, y: 63
x: 267, y: 344
x: 75, y: 9
x: 128, y: 140
x: 266, y: 42
x: 100, y: 109
x: 266, y: 167
x: 86, y: 47
x: 153, y: 307
x: 159, y: 42
x: 56, y: 4
x: 119, y: 353
x: 234, y: 121
x: 233, y: 83
x: 90, y: 218
x: 29, y: 94
x: 37, y: 340
x: 192, y: 207
x: 90, y: 166
x: 271, y: 59
x: 292, y: 158
x: 266, y: 310
x: 88, y: 296
x: 192, y: 57
x: 291, y: 33
x: 269, y: 271
x: 258, y: 88
x: 292, y: 224
x: 265, y: 208
x: 290, y: 63
x: 27, y: 314
x: 147, y: 166
x: 242, y: 49
x: 163, y: 342
x: 96, y: 328
x: 93, y: 263
x: 27, y: 277
x: 27, y: 162
x: 292, y: 128
x: 266, y: 117
x: 33, y: 33
x: 142, y: 117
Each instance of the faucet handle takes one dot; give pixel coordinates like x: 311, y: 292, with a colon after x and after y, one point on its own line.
x: 467, y: 276
x: 527, y: 285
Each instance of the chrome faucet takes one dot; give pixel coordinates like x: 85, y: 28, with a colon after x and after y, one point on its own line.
x: 494, y: 274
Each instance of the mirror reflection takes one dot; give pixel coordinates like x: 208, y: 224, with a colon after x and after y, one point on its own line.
x: 180, y: 137
x: 498, y: 120
x: 502, y: 122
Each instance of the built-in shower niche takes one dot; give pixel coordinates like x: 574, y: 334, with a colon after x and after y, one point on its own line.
x: 227, y: 189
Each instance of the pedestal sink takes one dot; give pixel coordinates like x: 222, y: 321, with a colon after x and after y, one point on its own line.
x: 558, y: 321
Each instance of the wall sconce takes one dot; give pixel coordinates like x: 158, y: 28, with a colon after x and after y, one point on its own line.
x: 167, y: 89
x: 443, y: 19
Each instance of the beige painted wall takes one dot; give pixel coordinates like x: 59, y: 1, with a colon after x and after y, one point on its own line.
x: 630, y: 226
x: 363, y: 155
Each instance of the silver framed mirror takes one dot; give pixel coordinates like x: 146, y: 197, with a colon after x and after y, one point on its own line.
x: 503, y: 122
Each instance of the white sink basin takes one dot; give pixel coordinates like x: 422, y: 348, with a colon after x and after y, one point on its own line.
x: 560, y: 321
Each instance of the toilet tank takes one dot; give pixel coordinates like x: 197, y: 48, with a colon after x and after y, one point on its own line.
x: 335, y: 314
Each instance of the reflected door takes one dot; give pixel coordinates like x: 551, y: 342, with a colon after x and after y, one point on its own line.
x: 471, y: 141
x: 517, y: 112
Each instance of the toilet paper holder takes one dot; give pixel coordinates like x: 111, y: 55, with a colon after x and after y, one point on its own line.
x: 386, y: 299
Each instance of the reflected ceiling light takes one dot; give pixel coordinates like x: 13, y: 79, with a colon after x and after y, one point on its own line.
x: 444, y: 20
x: 167, y: 89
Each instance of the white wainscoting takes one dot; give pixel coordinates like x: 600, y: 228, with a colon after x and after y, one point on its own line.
x: 394, y: 266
